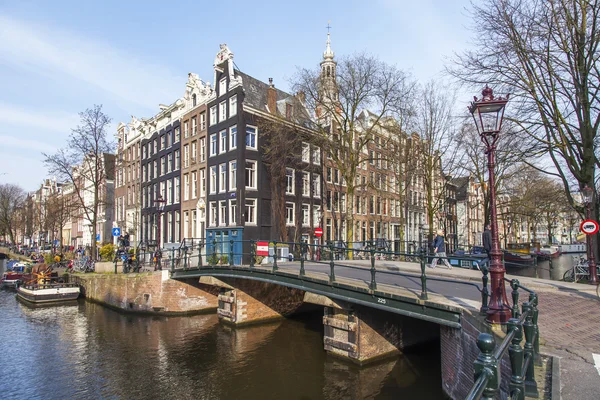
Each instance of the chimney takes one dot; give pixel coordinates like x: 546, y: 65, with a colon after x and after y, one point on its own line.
x: 272, y: 97
x: 301, y: 96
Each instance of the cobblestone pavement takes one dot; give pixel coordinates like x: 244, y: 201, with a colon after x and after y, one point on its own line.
x: 569, y: 325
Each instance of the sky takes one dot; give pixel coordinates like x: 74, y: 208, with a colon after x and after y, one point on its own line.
x: 60, y: 57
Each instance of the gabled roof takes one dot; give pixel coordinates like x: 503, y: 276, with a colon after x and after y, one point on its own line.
x: 462, y: 184
x: 256, y: 91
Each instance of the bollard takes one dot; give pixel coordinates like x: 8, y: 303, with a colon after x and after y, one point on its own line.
x: 423, y: 275
x: 487, y: 364
x: 515, y: 352
x: 485, y: 294
x: 529, y: 329
x: 331, y: 265
x: 252, y: 252
x: 514, y: 284
x: 231, y: 252
x: 275, y: 268
x: 373, y: 285
x: 115, y: 265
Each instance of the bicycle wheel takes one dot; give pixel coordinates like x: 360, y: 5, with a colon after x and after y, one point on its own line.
x: 569, y: 275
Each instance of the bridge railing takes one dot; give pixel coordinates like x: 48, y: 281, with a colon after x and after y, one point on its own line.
x: 522, y: 359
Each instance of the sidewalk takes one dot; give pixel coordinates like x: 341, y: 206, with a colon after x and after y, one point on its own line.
x: 569, y: 323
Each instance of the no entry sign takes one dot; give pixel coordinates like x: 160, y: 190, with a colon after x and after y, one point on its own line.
x: 589, y: 227
x: 262, y: 248
x: 318, y: 232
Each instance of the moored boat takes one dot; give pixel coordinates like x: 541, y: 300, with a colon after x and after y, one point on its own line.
x: 572, y: 248
x: 13, y: 276
x: 52, y: 291
x: 549, y: 251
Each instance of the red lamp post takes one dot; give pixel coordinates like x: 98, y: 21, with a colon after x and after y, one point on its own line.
x: 488, y: 113
x: 588, y: 194
x: 160, y: 206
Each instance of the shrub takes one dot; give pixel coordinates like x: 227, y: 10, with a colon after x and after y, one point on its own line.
x: 49, y: 258
x: 213, y: 259
x: 224, y: 260
x: 107, y: 252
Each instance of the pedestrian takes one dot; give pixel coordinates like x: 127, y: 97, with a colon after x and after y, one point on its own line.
x: 487, y: 240
x: 439, y: 248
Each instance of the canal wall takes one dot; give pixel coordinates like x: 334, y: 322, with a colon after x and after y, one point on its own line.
x: 152, y: 293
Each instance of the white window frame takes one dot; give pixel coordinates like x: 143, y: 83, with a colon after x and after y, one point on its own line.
x: 316, y: 185
x: 232, y: 106
x: 222, y: 212
x: 305, y: 214
x: 250, y: 207
x: 222, y: 86
x: 232, y: 211
x: 212, y: 213
x: 214, y: 150
x: 233, y: 137
x: 223, y: 111
x: 203, y: 149
x: 250, y: 134
x: 290, y: 181
x: 222, y: 141
x: 212, y: 180
x: 306, y: 184
x: 305, y: 152
x: 202, y: 179
x: 194, y: 179
x: 232, y: 175
x: 253, y: 176
x: 203, y: 121
x: 222, y: 177
x: 213, y: 115
x: 290, y: 213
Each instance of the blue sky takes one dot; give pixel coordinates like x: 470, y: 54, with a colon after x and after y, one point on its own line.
x: 60, y: 57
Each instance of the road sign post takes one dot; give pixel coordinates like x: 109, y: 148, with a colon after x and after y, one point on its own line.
x: 116, y: 232
x: 318, y: 232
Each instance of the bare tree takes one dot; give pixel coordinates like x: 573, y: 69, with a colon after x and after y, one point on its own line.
x: 360, y: 83
x: 544, y: 52
x: 12, y: 199
x: 437, y: 151
x: 82, y: 163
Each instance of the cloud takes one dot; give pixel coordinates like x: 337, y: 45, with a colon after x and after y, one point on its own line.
x: 25, y: 117
x: 26, y: 144
x: 124, y: 75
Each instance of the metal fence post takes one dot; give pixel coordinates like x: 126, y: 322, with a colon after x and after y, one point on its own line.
x: 486, y: 363
x: 533, y: 299
x: 185, y: 258
x: 484, y: 290
x: 373, y: 285
x: 231, y: 252
x: 529, y: 328
x: 200, y: 255
x: 172, y: 260
x: 423, y: 275
x: 515, y: 352
x: 275, y: 268
x: 214, y: 254
x: 302, y: 256
x: 252, y: 252
x: 331, y: 265
x: 514, y: 284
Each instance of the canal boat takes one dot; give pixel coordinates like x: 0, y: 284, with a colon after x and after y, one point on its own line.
x: 13, y: 276
x: 549, y: 251
x: 572, y: 248
x: 50, y: 292
x: 43, y: 286
x: 470, y: 260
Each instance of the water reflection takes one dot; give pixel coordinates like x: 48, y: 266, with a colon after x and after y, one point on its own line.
x: 86, y: 351
x: 553, y: 269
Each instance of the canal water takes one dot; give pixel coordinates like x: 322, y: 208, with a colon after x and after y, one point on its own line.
x: 553, y: 269
x: 86, y: 351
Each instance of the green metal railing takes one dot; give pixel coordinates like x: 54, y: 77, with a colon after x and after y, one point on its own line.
x: 523, y: 359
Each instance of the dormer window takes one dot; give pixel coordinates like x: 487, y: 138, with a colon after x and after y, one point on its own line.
x: 222, y: 86
x: 288, y: 111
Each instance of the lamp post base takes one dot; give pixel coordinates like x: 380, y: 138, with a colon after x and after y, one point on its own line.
x: 498, y: 315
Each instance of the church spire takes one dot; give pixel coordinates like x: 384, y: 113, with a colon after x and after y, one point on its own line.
x: 328, y: 54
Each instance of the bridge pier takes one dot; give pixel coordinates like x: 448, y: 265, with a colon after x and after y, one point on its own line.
x: 364, y: 335
x: 245, y: 301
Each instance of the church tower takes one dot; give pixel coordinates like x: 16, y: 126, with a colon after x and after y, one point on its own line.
x: 328, y: 86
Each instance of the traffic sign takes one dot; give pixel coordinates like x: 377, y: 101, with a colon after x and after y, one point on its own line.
x: 262, y: 248
x: 116, y: 231
x: 318, y: 232
x: 97, y: 237
x: 589, y: 227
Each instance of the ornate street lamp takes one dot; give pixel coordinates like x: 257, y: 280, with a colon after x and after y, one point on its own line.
x: 488, y: 114
x: 160, y: 206
x: 587, y: 193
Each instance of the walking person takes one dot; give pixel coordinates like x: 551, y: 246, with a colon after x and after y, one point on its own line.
x: 487, y: 241
x: 439, y: 248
